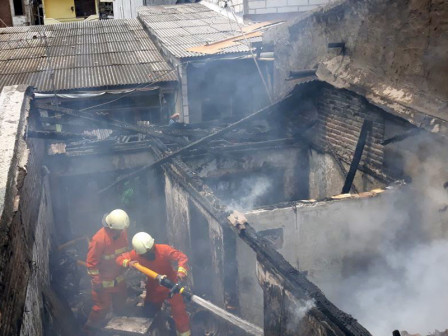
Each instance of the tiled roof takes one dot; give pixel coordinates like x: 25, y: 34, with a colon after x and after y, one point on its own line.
x: 180, y: 27
x: 82, y: 54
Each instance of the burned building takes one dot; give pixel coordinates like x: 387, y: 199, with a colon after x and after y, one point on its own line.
x: 306, y: 180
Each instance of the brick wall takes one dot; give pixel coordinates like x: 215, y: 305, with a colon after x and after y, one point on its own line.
x: 33, y: 318
x: 340, y: 118
x: 282, y: 6
x: 22, y: 195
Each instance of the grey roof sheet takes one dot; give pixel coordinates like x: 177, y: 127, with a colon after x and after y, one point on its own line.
x: 180, y: 27
x: 82, y: 55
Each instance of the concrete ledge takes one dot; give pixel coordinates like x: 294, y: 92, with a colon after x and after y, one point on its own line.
x: 12, y: 145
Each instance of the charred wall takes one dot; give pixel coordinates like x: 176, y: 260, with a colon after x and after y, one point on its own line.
x: 326, y: 317
x: 224, y: 89
x: 254, y: 177
x: 192, y: 230
x: 360, y: 249
x: 21, y: 216
x: 337, y: 117
x: 391, y: 55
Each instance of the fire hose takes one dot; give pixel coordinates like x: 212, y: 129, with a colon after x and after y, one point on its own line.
x: 165, y: 282
x: 176, y: 288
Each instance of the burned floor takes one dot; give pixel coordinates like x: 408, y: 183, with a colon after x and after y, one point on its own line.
x: 309, y: 199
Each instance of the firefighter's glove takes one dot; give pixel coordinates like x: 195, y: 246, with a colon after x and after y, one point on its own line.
x: 181, y: 274
x: 181, y: 277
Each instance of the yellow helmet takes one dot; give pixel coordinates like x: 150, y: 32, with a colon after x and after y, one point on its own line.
x: 117, y: 219
x: 142, y: 242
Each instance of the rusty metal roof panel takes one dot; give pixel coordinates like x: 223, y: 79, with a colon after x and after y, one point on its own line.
x: 181, y: 27
x: 160, y: 66
x: 201, y: 30
x: 172, y: 32
x: 21, y: 66
x: 148, y: 56
x: 81, y: 55
x: 118, y: 58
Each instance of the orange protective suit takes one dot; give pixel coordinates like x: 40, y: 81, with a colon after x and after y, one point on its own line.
x: 164, y: 256
x: 108, y: 285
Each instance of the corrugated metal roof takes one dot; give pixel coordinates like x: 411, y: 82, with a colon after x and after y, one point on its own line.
x: 81, y: 55
x: 181, y: 27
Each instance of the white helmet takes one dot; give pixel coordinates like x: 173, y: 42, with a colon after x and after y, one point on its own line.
x: 142, y: 242
x: 117, y: 219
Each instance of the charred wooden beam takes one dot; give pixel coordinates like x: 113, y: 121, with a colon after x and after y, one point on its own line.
x: 366, y: 127
x: 107, y: 148
x: 52, y: 135
x: 245, y: 147
x: 268, y: 109
x: 111, y: 123
x: 340, y: 165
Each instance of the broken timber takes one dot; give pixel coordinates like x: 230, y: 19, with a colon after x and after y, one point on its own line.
x: 199, y: 142
x: 57, y: 135
x: 110, y: 122
x: 366, y: 126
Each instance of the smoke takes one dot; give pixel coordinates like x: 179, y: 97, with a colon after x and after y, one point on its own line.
x: 247, y: 194
x: 298, y: 309
x: 406, y: 291
x: 394, y: 273
x: 301, y: 308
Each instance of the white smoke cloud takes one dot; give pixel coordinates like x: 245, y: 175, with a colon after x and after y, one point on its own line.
x: 252, y: 188
x: 406, y: 291
x: 400, y: 281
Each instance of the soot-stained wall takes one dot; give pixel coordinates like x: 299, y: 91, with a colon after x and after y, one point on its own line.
x: 33, y: 317
x: 393, y: 54
x: 193, y: 231
x: 22, y: 189
x: 361, y: 248
x: 251, y: 178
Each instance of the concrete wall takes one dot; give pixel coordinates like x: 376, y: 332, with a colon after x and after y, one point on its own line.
x: 21, y: 202
x: 396, y: 66
x: 250, y: 293
x: 59, y: 9
x: 283, y: 6
x: 193, y: 230
x: 315, y: 234
x: 236, y: 5
x: 361, y: 249
x: 327, y: 179
x: 253, y: 7
x: 312, y: 239
x: 126, y: 9
x: 184, y: 237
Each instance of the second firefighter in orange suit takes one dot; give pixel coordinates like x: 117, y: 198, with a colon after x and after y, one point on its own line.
x: 108, y: 285
x: 159, y: 258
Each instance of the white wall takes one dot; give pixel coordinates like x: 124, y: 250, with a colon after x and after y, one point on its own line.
x: 126, y: 9
x: 283, y: 6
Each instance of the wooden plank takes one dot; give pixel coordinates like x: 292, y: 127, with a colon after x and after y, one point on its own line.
x: 199, y: 142
x: 366, y: 127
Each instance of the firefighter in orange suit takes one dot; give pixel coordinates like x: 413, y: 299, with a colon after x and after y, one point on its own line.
x: 159, y: 258
x: 108, y: 285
